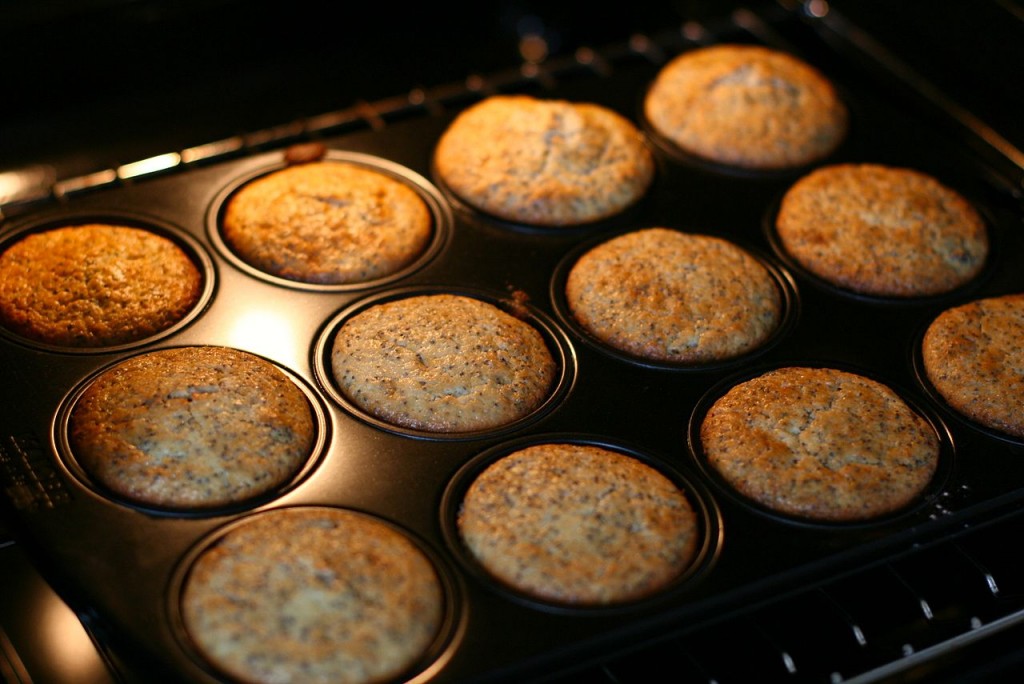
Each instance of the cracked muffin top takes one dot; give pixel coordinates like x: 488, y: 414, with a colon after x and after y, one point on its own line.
x: 544, y: 162
x: 327, y: 222
x: 746, y: 106
x: 666, y: 295
x: 821, y: 444
x: 882, y: 230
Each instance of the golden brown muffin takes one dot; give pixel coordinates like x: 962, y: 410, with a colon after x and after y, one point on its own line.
x: 313, y: 595
x: 746, y: 106
x: 883, y: 231
x: 327, y: 222
x: 95, y: 285
x: 578, y: 524
x: 973, y: 355
x: 191, y: 427
x: 442, y: 363
x: 664, y: 295
x: 821, y: 444
x: 544, y: 162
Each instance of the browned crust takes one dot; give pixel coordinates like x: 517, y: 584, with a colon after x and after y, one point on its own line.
x: 95, y: 285
x: 327, y: 222
x: 670, y: 296
x: 882, y: 231
x: 544, y: 162
x: 578, y: 524
x: 973, y: 355
x: 746, y: 106
x: 820, y: 443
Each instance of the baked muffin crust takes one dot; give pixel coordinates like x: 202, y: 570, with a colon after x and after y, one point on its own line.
x: 191, y: 427
x: 95, y: 285
x: 746, y: 106
x: 664, y: 295
x: 442, y: 363
x: 544, y: 162
x: 973, y: 355
x: 883, y: 231
x: 315, y: 595
x: 578, y: 524
x: 820, y: 443
x: 327, y: 222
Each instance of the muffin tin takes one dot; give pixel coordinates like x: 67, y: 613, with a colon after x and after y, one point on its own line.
x: 121, y: 565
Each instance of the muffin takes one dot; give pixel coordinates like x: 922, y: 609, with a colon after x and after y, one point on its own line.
x: 442, y: 363
x: 191, y: 428
x: 821, y: 444
x: 973, y: 355
x: 327, y: 222
x: 547, y: 163
x: 882, y: 231
x: 95, y: 285
x: 664, y: 295
x: 312, y: 595
x: 578, y: 525
x: 746, y: 106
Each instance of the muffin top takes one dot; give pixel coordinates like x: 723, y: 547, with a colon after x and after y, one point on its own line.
x: 746, y: 106
x: 442, y: 363
x: 664, y: 295
x: 327, y: 222
x: 881, y: 230
x: 95, y: 285
x: 578, y: 524
x: 973, y: 355
x: 191, y: 427
x: 313, y: 595
x: 544, y: 162
x: 821, y: 444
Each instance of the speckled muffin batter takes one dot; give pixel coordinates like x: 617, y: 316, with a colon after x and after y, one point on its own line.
x: 880, y: 230
x: 442, y: 363
x: 821, y: 444
x: 664, y: 295
x: 313, y: 595
x: 327, y: 222
x: 191, y: 427
x: 578, y: 524
x: 973, y: 355
x: 544, y: 162
x: 95, y: 285
x: 746, y: 106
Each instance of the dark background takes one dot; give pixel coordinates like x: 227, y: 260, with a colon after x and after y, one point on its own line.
x: 92, y: 84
